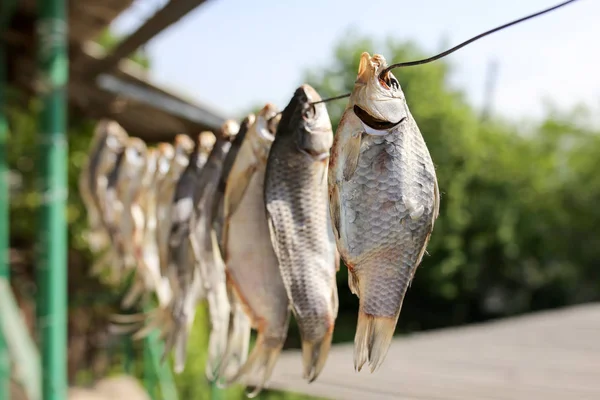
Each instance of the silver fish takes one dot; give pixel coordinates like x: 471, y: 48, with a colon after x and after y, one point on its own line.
x: 239, y: 328
x: 128, y: 186
x: 252, y: 270
x: 182, y: 271
x: 147, y: 276
x: 218, y: 211
x: 110, y: 208
x: 384, y: 199
x: 108, y: 138
x: 165, y: 186
x: 206, y: 250
x: 298, y: 214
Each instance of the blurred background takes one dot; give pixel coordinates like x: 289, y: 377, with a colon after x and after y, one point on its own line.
x: 511, y: 122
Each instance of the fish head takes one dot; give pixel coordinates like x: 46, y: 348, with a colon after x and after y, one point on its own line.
x: 229, y: 129
x: 151, y: 164
x: 377, y: 99
x: 166, y: 152
x: 265, y: 124
x: 206, y: 141
x: 135, y: 156
x: 184, y: 145
x: 115, y: 141
x: 116, y: 137
x: 310, y: 123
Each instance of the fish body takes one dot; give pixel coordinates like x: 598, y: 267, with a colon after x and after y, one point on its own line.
x: 129, y: 184
x: 206, y: 249
x: 218, y: 211
x: 298, y: 214
x: 166, y: 153
x: 110, y: 207
x: 165, y: 187
x: 384, y: 200
x: 181, y: 270
x: 108, y: 139
x: 252, y: 270
x: 147, y: 276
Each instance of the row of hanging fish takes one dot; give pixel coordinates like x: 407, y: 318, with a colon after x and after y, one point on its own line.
x: 256, y: 219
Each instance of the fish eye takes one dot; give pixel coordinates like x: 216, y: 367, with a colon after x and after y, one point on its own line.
x: 309, y: 112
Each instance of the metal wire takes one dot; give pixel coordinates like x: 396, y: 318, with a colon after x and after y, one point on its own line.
x: 453, y: 49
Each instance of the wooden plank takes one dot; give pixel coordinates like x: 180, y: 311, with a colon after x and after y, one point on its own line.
x: 172, y: 12
x: 547, y: 355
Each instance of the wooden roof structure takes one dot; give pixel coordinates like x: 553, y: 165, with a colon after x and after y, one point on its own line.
x: 106, y: 85
x: 550, y: 355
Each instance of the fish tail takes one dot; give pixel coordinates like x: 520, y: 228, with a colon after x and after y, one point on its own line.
x: 139, y: 325
x: 180, y: 344
x: 372, y: 340
x: 219, y: 317
x: 134, y: 293
x: 263, y: 358
x: 236, y: 351
x: 314, y: 355
x: 316, y: 333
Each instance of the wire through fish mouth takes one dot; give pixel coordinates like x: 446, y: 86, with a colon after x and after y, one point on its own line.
x: 457, y: 47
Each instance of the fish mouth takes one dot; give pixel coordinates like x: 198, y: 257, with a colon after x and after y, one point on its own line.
x: 375, y: 123
x: 314, y: 155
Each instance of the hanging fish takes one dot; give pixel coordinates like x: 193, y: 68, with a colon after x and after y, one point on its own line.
x: 182, y: 271
x: 146, y: 277
x: 384, y: 199
x: 251, y: 265
x: 239, y: 324
x: 300, y: 226
x: 108, y: 139
x: 165, y: 187
x: 203, y: 240
x: 127, y: 189
x: 110, y: 166
x: 227, y: 165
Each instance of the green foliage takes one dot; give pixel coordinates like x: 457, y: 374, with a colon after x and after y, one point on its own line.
x: 516, y: 226
x: 108, y: 40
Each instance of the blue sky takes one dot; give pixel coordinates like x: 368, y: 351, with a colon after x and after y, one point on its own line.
x: 233, y: 54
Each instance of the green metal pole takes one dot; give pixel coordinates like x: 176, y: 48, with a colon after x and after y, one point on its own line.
x: 52, y: 232
x: 4, y: 216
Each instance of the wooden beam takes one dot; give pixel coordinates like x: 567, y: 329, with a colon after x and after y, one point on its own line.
x: 172, y: 12
x: 144, y: 92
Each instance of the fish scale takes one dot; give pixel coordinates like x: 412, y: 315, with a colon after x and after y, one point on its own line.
x: 299, y: 222
x: 384, y: 201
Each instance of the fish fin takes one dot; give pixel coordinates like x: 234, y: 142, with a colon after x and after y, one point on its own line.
x: 334, y: 211
x: 237, y: 184
x: 314, y: 355
x: 220, y: 311
x: 372, y: 341
x: 335, y: 301
x: 128, y: 318
x: 353, y: 283
x: 238, y: 342
x: 436, y: 212
x: 436, y: 202
x: 120, y: 329
x: 135, y: 292
x: 351, y: 152
x: 273, y: 235
x: 263, y: 358
x: 180, y: 345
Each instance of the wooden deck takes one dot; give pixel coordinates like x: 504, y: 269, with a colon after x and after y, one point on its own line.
x: 546, y: 356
